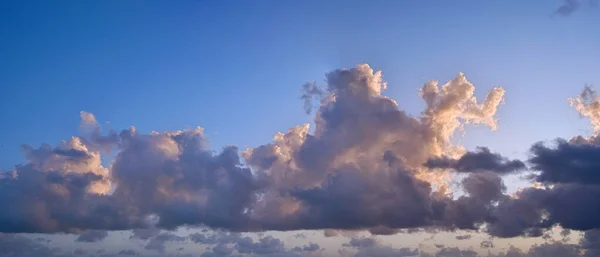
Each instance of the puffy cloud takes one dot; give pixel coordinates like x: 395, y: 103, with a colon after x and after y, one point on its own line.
x: 175, y: 176
x: 588, y: 105
x: 365, y: 152
x: 60, y: 189
x: 572, y: 188
x: 566, y: 163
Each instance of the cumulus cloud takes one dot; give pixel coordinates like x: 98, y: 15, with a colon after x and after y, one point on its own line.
x: 364, y: 150
x: 588, y: 105
x: 60, y: 189
x: 566, y: 163
x: 361, y: 169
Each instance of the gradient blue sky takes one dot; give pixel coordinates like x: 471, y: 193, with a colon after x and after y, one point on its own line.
x: 236, y: 69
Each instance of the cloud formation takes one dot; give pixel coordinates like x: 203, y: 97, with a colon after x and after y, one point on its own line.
x: 362, y: 168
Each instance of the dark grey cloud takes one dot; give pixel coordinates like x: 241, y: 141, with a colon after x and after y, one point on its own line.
x: 175, y: 176
x: 566, y: 163
x: 481, y: 160
x: 570, y: 199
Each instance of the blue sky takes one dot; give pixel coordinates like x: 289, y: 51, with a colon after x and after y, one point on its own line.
x: 236, y: 69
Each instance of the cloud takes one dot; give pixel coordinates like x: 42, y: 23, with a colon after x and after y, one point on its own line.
x: 19, y: 245
x: 227, y: 244
x: 157, y: 243
x: 591, y: 242
x: 478, y: 161
x: 330, y: 233
x: 144, y: 233
x: 570, y: 6
x: 542, y: 250
x: 60, y: 189
x: 566, y: 163
x: 588, y: 105
x: 371, y: 247
x: 463, y: 237
x: 486, y: 244
x: 91, y: 236
x: 364, y: 149
x: 128, y: 252
x: 361, y: 168
x: 309, y: 91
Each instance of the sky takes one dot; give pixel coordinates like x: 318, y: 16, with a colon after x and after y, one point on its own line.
x: 86, y: 71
